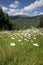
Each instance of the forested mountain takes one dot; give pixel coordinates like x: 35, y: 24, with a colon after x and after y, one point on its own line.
x: 25, y: 22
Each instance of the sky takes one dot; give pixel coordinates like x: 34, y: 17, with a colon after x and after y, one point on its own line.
x: 22, y: 7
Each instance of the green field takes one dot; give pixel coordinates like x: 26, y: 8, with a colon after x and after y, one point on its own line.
x: 21, y: 47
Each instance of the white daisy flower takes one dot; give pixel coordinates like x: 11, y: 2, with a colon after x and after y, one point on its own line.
x: 34, y: 38
x: 19, y: 40
x: 35, y: 44
x: 12, y: 38
x: 12, y: 44
x: 25, y: 39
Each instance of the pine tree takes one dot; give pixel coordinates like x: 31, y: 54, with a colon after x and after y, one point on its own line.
x: 5, y: 23
x: 40, y: 25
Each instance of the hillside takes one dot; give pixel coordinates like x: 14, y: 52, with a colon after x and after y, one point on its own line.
x: 25, y: 22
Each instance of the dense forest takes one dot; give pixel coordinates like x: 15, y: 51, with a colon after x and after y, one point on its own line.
x: 19, y: 22
x: 5, y: 23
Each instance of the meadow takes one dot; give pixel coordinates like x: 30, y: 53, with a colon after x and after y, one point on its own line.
x: 21, y: 47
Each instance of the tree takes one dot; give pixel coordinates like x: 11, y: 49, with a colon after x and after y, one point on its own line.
x: 40, y: 25
x: 5, y: 23
x: 1, y: 18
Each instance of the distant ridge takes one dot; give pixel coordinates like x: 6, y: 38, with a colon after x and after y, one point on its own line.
x: 25, y: 22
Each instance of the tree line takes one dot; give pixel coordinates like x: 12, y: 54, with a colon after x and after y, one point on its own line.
x: 40, y: 25
x: 5, y: 23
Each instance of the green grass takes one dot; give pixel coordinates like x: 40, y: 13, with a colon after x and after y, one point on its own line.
x: 24, y: 52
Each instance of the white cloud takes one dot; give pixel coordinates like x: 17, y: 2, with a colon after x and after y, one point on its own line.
x: 11, y: 10
x: 41, y: 13
x: 14, y: 5
x: 32, y: 6
x: 17, y: 3
x: 14, y: 12
x: 35, y: 13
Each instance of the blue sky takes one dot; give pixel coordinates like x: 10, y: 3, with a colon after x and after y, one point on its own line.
x: 20, y: 7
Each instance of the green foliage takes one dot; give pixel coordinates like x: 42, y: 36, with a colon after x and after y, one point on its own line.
x: 5, y: 23
x: 40, y: 25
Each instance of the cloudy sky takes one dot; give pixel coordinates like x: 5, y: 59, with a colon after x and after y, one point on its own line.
x: 22, y: 7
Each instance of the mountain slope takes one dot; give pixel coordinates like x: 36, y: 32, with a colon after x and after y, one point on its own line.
x: 25, y: 22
